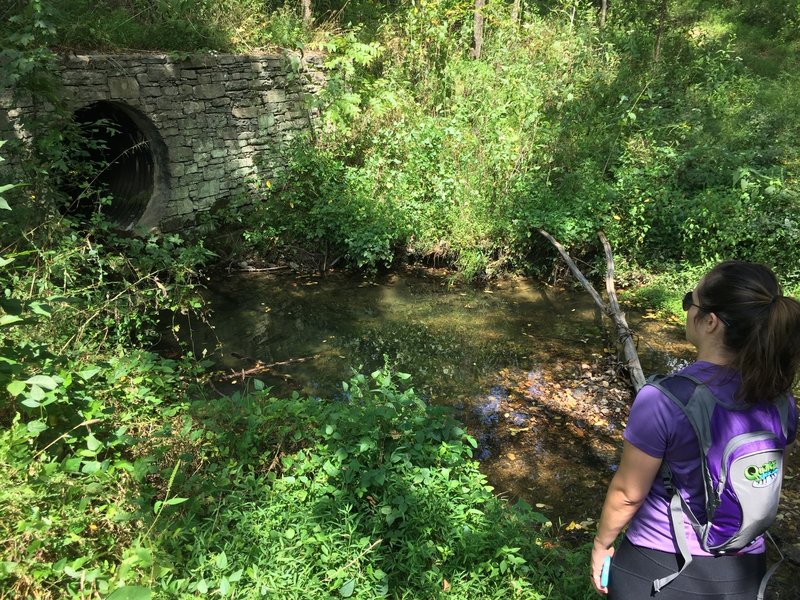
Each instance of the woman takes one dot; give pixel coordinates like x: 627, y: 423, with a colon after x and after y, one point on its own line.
x: 747, y: 336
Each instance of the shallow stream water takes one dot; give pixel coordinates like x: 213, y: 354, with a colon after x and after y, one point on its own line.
x: 491, y: 353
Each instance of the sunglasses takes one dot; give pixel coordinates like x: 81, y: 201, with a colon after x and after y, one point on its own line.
x: 687, y: 304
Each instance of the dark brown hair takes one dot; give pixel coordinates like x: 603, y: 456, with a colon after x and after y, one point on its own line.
x: 764, y: 326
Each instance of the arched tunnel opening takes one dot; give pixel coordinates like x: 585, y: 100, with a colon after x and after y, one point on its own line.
x: 120, y: 171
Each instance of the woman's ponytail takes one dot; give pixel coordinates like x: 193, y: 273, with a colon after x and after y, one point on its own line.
x: 763, y: 328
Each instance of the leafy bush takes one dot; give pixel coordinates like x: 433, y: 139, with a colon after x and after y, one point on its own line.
x: 554, y: 128
x: 371, y: 495
x: 74, y: 306
x: 319, y: 206
x: 176, y: 25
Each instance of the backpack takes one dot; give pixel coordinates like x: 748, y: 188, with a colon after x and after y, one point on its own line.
x: 742, y: 475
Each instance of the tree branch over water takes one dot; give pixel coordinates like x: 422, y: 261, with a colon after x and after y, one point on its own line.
x: 611, y: 308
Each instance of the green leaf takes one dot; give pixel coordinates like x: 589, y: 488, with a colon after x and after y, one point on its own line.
x: 31, y: 403
x: 87, y: 374
x: 202, y: 586
x: 58, y: 566
x: 72, y: 465
x: 16, y: 387
x: 36, y: 427
x: 7, y: 567
x: 91, y: 467
x: 92, y: 443
x: 174, y: 501
x: 222, y: 561
x: 39, y: 309
x: 347, y: 589
x: 37, y: 393
x: 5, y: 261
x: 3, y: 204
x: 72, y: 572
x: 9, y: 319
x: 224, y: 586
x: 131, y: 592
x: 44, y: 381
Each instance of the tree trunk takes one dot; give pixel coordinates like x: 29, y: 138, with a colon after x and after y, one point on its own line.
x: 603, y: 13
x: 515, y: 11
x: 662, y: 21
x: 477, y: 40
x: 610, y: 309
x: 306, y: 6
x: 572, y: 15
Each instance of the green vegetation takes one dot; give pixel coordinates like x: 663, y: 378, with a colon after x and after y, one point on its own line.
x: 671, y: 127
x: 126, y: 476
x: 675, y: 132
x: 562, y: 125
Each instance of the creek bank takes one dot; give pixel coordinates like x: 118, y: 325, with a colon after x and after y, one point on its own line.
x: 525, y: 365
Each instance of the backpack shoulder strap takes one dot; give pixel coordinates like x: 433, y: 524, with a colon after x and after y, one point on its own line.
x: 697, y: 402
x: 783, y: 410
x: 694, y: 398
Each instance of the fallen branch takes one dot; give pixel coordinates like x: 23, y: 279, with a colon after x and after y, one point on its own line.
x: 262, y: 269
x: 611, y: 308
x: 262, y: 368
x: 624, y: 333
x: 243, y: 267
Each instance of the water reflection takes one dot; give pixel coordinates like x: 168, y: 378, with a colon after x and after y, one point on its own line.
x: 307, y: 334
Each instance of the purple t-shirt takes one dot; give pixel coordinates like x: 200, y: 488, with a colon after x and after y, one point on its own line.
x: 658, y: 427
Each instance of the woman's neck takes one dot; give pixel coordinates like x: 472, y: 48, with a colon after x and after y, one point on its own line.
x: 715, y: 355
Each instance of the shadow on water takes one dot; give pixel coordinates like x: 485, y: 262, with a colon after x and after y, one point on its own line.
x: 493, y: 354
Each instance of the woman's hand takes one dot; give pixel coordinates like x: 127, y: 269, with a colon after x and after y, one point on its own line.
x: 599, y: 553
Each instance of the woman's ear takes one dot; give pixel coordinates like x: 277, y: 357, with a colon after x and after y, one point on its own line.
x: 712, y: 322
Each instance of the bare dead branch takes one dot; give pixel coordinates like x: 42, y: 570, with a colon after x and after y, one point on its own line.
x: 624, y: 332
x: 611, y: 308
x: 577, y: 272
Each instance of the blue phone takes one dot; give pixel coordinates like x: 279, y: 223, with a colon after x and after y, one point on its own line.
x: 604, y: 572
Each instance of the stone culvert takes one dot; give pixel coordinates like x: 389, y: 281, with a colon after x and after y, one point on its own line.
x: 181, y: 134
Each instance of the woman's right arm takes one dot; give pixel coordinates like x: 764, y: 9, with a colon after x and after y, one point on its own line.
x: 626, y: 493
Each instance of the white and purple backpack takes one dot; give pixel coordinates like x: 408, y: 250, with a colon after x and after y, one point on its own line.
x: 742, y: 474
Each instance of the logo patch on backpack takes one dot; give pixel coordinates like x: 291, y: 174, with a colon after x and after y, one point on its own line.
x: 763, y: 475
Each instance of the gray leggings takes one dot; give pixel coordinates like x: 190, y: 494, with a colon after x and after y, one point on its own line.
x: 634, y: 568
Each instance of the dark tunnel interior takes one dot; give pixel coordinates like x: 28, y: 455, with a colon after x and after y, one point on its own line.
x: 119, y: 163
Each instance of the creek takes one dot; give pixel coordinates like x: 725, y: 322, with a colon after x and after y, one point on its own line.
x: 524, y: 365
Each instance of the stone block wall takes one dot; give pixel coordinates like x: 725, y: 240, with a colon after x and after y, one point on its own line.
x: 212, y: 121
